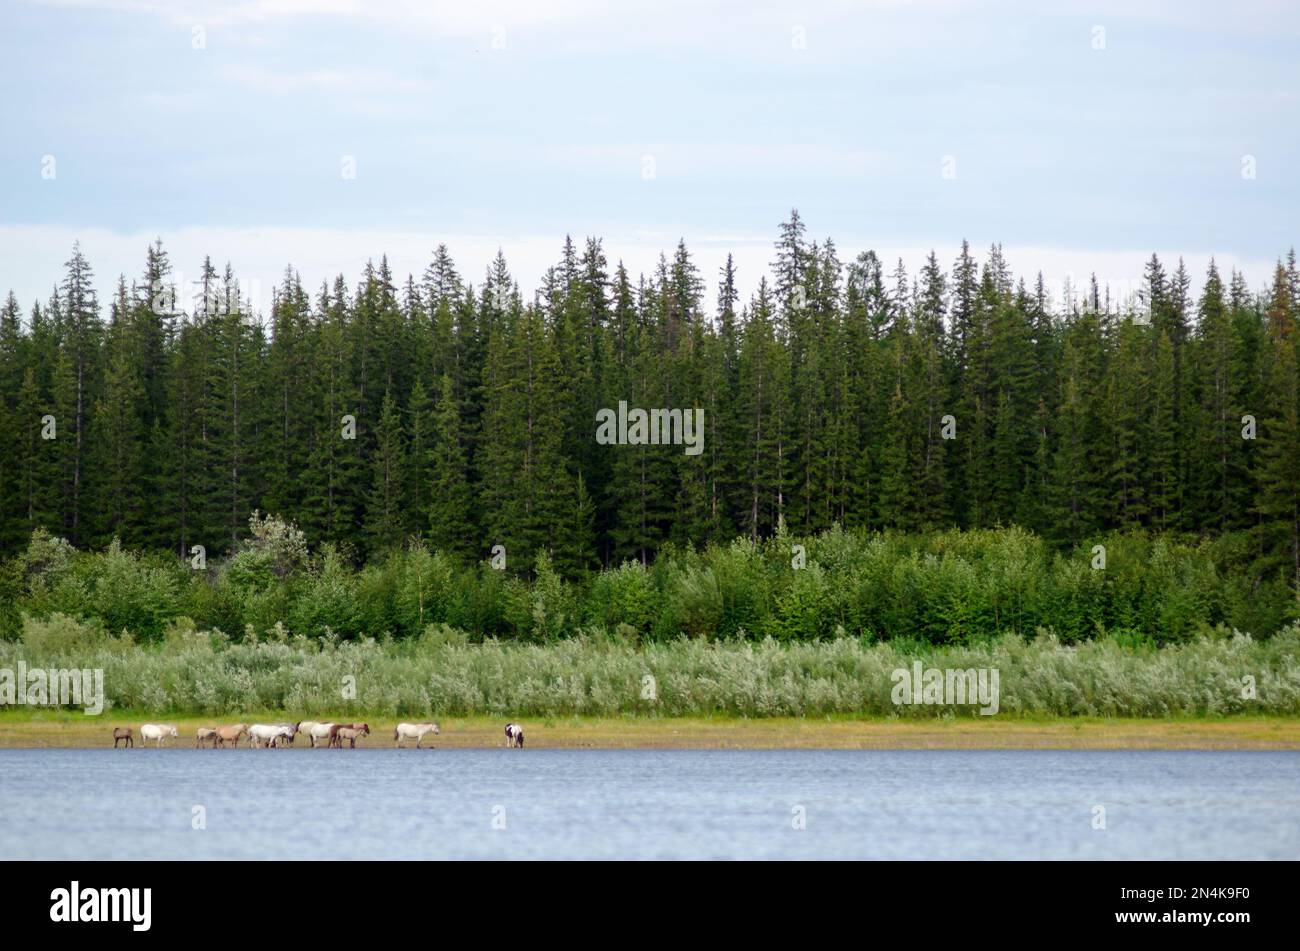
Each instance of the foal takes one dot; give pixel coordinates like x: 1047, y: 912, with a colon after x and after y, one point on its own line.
x: 123, y: 733
x: 205, y: 734
x: 230, y: 734
x: 350, y: 733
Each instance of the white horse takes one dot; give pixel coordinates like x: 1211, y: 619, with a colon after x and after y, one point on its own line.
x: 514, y: 735
x: 287, y: 732
x: 305, y: 727
x: 404, y: 731
x: 317, y: 731
x: 157, y: 732
x: 260, y: 734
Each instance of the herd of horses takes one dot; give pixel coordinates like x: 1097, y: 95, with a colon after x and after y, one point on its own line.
x: 273, y: 735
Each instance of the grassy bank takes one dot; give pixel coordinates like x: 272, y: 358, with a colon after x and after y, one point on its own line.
x: 71, y: 730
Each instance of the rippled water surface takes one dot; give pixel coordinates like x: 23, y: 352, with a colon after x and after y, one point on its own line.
x: 384, y: 803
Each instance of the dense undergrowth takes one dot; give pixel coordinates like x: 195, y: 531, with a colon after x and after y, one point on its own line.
x: 948, y: 587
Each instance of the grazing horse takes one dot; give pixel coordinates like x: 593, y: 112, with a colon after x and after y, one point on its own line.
x: 231, y: 734
x: 157, y: 732
x: 284, y: 734
x: 349, y: 733
x: 514, y: 735
x: 407, y: 730
x: 203, y: 735
x: 123, y: 733
x: 287, y: 732
x: 263, y: 733
x: 320, y: 731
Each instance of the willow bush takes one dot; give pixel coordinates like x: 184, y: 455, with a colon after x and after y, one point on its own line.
x: 440, y: 672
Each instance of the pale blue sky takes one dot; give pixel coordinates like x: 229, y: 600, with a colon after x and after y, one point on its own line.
x: 1075, y: 158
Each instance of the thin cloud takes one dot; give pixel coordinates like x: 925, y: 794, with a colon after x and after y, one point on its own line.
x: 328, y: 80
x: 451, y: 19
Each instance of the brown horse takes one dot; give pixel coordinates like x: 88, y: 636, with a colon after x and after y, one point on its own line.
x: 203, y: 735
x: 348, y: 731
x: 123, y: 733
x: 231, y: 734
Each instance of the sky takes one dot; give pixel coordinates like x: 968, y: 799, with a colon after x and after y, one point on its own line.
x: 323, y: 133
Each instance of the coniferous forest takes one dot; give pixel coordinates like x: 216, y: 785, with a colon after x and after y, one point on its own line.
x: 459, y: 415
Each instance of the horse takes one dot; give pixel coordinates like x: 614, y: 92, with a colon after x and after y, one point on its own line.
x: 334, y: 735
x: 203, y: 735
x: 349, y: 733
x: 123, y: 733
x: 263, y: 733
x: 306, y: 726
x: 514, y: 735
x: 407, y: 730
x: 231, y: 734
x: 157, y: 731
x: 287, y: 732
x: 284, y: 733
x: 320, y: 731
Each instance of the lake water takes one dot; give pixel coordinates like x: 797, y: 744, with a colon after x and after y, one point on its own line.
x: 708, y: 804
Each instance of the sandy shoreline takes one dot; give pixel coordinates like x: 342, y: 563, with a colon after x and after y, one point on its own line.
x: 1263, y: 733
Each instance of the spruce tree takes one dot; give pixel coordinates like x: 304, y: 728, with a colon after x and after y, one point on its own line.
x: 386, y: 511
x: 449, y: 508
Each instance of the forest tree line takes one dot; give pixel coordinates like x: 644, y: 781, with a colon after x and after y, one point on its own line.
x: 164, y: 416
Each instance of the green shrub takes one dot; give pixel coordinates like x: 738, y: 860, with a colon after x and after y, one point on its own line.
x: 943, y: 588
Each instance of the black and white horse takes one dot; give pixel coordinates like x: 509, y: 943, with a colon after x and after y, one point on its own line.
x: 514, y: 735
